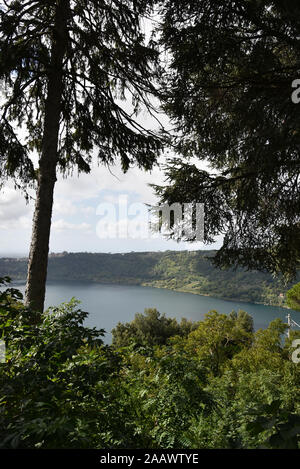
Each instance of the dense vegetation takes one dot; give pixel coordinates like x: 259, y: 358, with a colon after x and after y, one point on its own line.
x: 214, y: 384
x: 226, y: 84
x: 228, y: 90
x: 183, y: 271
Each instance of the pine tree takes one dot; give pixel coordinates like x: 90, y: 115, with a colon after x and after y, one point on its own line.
x: 66, y: 66
x: 233, y: 73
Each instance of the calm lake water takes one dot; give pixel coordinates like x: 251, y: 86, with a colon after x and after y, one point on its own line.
x: 109, y: 304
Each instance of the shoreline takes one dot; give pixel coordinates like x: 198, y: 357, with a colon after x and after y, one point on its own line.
x: 144, y: 284
x: 218, y: 297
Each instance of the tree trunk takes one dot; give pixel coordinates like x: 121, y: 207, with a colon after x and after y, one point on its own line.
x: 39, y: 250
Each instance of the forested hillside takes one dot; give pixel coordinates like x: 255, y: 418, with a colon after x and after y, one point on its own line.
x: 188, y: 271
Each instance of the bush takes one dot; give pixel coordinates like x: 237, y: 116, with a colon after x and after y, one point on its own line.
x: 215, y: 384
x: 60, y: 386
x: 149, y: 329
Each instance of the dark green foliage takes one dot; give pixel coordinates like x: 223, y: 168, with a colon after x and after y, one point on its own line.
x: 107, y: 60
x: 293, y: 297
x: 175, y: 393
x: 54, y: 382
x: 228, y: 92
x: 150, y: 329
x: 62, y: 388
x: 286, y: 426
x: 243, y: 320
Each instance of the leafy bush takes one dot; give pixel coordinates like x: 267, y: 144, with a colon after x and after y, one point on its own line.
x: 60, y: 387
x: 293, y: 297
x: 150, y: 328
x: 212, y: 384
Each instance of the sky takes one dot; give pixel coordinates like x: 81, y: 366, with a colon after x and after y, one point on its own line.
x: 103, y: 211
x: 90, y: 214
x: 91, y: 211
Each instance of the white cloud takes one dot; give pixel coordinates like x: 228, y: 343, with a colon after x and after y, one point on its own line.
x: 15, y: 213
x: 89, y: 186
x: 18, y: 224
x: 62, y: 225
x: 64, y: 207
x: 75, y: 199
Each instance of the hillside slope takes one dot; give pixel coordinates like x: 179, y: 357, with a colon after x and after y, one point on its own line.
x: 188, y: 271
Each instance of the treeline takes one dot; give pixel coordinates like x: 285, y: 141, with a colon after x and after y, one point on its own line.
x: 161, y: 384
x: 187, y: 271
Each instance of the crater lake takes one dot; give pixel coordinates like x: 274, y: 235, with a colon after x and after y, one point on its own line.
x: 109, y: 304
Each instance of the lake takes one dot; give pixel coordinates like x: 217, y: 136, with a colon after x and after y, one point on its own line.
x: 109, y: 304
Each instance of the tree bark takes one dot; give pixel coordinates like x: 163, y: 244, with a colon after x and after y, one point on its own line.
x: 39, y: 249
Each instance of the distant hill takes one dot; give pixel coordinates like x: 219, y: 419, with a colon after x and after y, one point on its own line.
x: 187, y: 271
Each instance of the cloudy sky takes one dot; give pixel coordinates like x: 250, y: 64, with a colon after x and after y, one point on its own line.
x: 84, y: 205
x: 103, y: 211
